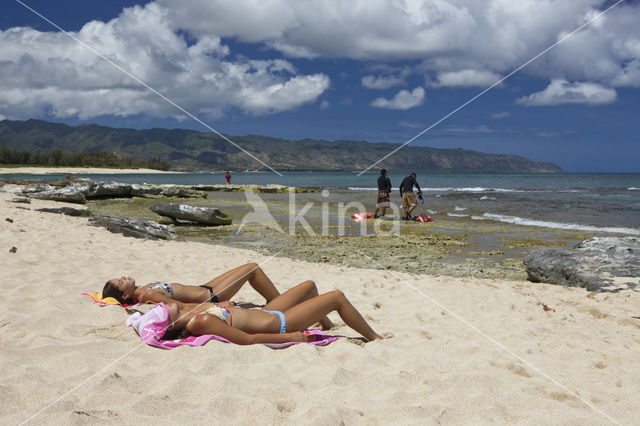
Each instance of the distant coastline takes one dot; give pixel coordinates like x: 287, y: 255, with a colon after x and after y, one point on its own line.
x: 184, y: 149
x: 32, y: 170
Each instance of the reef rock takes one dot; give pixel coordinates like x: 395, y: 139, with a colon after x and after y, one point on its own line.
x: 69, y: 211
x: 597, y: 264
x: 69, y: 194
x: 138, y: 228
x: 203, y: 215
x: 80, y: 189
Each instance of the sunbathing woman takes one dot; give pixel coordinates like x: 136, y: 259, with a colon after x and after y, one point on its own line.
x: 219, y: 289
x: 281, y: 320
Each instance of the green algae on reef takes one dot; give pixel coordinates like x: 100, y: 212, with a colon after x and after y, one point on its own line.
x: 447, y: 246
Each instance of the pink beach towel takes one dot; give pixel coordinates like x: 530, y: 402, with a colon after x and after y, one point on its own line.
x: 152, y: 326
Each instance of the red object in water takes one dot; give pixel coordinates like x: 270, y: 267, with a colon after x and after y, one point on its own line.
x: 424, y: 219
x: 361, y: 216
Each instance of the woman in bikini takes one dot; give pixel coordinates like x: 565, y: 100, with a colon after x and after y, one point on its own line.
x: 219, y: 289
x: 283, y: 319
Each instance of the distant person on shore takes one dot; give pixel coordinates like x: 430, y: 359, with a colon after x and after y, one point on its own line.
x: 384, y: 190
x: 228, y: 178
x: 408, y: 197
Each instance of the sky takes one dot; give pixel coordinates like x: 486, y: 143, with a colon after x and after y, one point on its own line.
x: 374, y: 70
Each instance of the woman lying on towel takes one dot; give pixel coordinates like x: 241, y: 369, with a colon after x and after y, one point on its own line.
x: 281, y: 320
x: 219, y: 289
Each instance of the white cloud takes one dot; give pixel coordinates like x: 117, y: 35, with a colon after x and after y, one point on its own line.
x: 476, y: 129
x: 563, y: 92
x: 412, y: 124
x: 324, y: 104
x: 455, y: 43
x: 466, y: 78
x: 2, y: 117
x: 460, y: 42
x: 388, y: 77
x: 500, y: 115
x: 402, y: 100
x: 49, y: 73
x: 381, y: 82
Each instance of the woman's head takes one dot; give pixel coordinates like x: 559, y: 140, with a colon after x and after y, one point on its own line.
x: 121, y: 289
x: 176, y: 323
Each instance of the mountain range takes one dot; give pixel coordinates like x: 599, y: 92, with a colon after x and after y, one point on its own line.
x: 193, y: 150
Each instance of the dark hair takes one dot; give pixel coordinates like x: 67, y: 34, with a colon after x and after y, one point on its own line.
x: 174, y: 334
x: 413, y: 174
x: 383, y: 171
x: 111, y: 290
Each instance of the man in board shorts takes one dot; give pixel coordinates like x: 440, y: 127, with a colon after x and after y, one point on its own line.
x: 408, y: 197
x: 384, y: 189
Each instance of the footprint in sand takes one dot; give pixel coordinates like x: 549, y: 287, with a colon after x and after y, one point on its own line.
x: 426, y: 335
x: 600, y: 365
x: 518, y: 369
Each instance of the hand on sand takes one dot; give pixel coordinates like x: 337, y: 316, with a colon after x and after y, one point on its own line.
x: 299, y: 336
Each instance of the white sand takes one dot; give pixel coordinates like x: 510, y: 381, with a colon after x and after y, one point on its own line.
x: 76, y: 170
x: 57, y: 347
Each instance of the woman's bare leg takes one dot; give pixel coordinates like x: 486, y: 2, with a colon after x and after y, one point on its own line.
x: 306, y: 313
x: 228, y: 284
x: 295, y: 295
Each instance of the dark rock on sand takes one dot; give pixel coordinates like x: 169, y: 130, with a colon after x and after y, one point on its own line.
x: 69, y: 194
x: 79, y: 190
x: 597, y: 264
x: 177, y: 191
x: 138, y: 228
x: 20, y: 200
x: 69, y: 211
x: 203, y: 215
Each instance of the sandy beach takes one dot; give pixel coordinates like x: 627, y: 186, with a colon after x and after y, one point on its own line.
x: 74, y: 170
x: 459, y: 351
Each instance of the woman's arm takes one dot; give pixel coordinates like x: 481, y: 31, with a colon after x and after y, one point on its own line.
x: 159, y: 296
x: 208, y: 324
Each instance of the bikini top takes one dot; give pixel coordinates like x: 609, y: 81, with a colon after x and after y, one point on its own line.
x: 221, y: 312
x: 160, y: 285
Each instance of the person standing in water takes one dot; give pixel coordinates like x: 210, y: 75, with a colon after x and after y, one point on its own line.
x: 384, y: 190
x: 408, y: 197
x: 228, y: 178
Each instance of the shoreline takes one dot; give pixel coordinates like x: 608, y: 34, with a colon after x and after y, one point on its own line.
x: 433, y: 369
x: 77, y: 170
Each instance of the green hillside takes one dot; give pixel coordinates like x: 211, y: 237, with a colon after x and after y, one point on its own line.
x: 191, y: 150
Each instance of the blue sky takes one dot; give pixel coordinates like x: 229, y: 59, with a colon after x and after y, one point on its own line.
x: 363, y: 70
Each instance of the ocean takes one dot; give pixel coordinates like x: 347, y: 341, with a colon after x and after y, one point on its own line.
x: 594, y: 203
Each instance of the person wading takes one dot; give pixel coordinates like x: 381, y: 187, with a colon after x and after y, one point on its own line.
x: 408, y: 197
x: 384, y: 190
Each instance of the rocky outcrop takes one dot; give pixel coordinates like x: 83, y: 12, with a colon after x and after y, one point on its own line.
x: 69, y: 211
x: 20, y: 200
x: 202, y: 215
x: 69, y: 194
x: 156, y: 191
x: 597, y: 264
x: 138, y: 228
x: 270, y: 188
x: 79, y: 190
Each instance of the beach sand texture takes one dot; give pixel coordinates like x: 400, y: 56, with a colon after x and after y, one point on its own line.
x: 70, y: 361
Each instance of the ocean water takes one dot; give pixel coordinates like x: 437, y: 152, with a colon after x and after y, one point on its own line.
x: 594, y: 203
